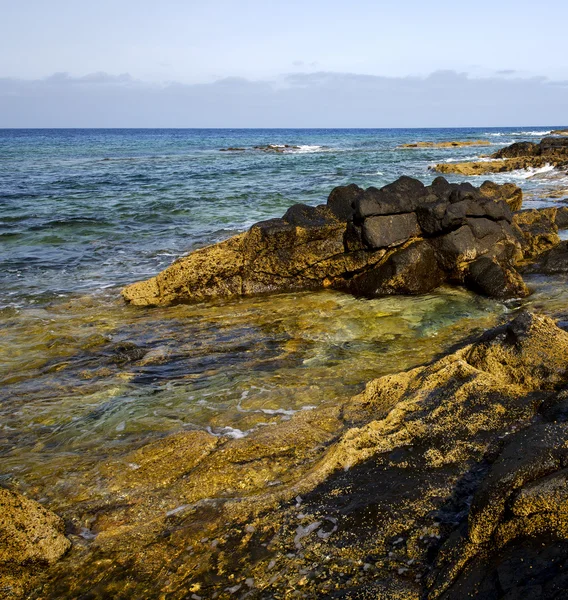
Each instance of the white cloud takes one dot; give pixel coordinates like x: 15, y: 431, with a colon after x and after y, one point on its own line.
x: 317, y: 99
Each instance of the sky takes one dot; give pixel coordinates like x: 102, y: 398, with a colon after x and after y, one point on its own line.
x: 310, y: 63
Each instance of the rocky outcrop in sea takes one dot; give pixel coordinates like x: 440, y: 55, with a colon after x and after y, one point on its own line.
x: 442, y: 482
x: 405, y: 238
x: 550, y: 151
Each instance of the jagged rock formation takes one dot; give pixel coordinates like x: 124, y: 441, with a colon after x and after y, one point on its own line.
x: 404, y: 238
x: 446, y: 481
x: 521, y: 155
x: 31, y: 539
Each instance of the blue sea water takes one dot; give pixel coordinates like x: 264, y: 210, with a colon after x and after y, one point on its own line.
x: 86, y: 210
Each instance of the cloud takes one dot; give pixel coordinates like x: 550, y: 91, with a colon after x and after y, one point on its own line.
x: 309, y: 99
x: 99, y: 77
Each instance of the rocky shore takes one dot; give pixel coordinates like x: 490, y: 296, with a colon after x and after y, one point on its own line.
x: 550, y: 151
x: 447, y: 481
x: 405, y: 238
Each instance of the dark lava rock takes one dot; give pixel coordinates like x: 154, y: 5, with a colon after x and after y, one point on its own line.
x: 390, y: 230
x: 488, y: 277
x: 303, y: 215
x: 412, y: 270
x: 552, y: 261
x: 341, y: 201
x: 402, y: 196
x: 518, y: 149
x: 326, y: 246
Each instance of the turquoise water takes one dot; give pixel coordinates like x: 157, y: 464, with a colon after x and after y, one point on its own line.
x: 86, y: 210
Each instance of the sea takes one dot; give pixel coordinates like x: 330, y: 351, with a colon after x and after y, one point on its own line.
x: 84, y: 212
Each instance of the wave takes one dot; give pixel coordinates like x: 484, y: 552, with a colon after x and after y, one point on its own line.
x: 306, y: 149
x: 531, y: 172
x: 517, y: 133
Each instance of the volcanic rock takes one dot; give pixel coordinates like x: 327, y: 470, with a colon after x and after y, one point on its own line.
x: 357, y: 231
x: 445, y: 481
x: 520, y: 155
x: 452, y: 144
x: 31, y: 539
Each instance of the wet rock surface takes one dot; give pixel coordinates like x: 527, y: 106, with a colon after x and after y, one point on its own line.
x: 446, y: 481
x: 31, y: 540
x: 359, y: 237
x: 520, y: 155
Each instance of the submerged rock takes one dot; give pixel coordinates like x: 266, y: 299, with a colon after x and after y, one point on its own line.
x: 352, y: 243
x: 452, y: 144
x: 31, y: 539
x: 445, y: 481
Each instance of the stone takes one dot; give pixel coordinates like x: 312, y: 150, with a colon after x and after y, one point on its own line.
x: 517, y: 150
x: 551, y: 261
x: 508, y: 192
x: 302, y: 215
x: 314, y: 247
x: 488, y: 277
x: 390, y: 230
x: 413, y: 270
x: 341, y: 201
x: 539, y: 230
x: 31, y: 539
x: 402, y: 196
x: 456, y: 248
x: 451, y: 144
x: 561, y: 219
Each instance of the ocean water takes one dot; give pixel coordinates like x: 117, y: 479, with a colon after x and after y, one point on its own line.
x: 84, y: 377
x: 86, y: 210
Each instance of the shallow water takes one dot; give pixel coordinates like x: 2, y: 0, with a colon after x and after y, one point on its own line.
x: 88, y: 378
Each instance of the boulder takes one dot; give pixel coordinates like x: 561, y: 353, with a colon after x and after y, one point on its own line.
x: 402, y: 196
x: 302, y: 215
x: 341, y: 201
x: 539, y: 231
x: 508, y: 192
x: 390, y: 230
x: 517, y: 150
x: 31, y: 539
x: 551, y: 261
x: 486, y: 276
x: 413, y: 270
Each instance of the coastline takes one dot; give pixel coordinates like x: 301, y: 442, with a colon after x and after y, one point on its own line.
x: 185, y: 487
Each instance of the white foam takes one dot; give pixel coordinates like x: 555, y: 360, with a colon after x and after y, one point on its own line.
x: 532, y: 172
x: 517, y: 133
x: 227, y: 431
x: 305, y: 149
